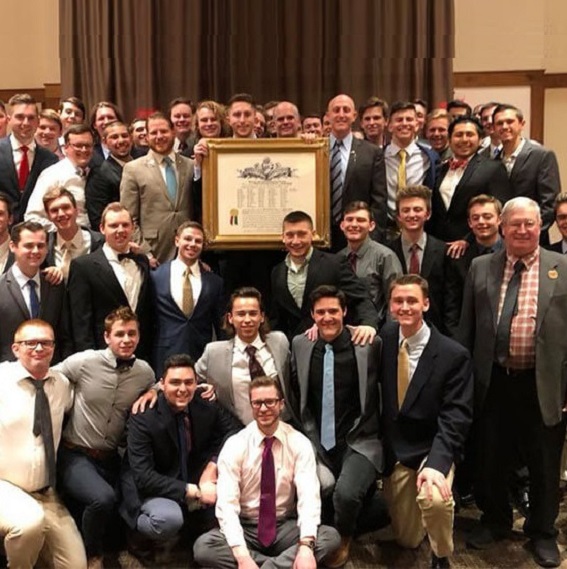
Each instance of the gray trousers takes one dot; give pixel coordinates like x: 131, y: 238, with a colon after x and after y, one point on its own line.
x: 212, y: 551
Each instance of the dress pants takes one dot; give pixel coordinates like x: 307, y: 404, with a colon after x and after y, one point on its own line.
x: 38, y: 525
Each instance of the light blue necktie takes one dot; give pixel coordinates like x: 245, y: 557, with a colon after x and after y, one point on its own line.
x: 34, y: 299
x: 170, y: 179
x: 336, y: 182
x: 328, y: 440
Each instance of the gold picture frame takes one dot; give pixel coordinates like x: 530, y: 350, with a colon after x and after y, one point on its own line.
x: 249, y: 185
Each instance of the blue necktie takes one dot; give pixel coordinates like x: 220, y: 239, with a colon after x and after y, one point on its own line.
x: 336, y: 182
x: 328, y: 440
x: 34, y: 299
x: 170, y: 179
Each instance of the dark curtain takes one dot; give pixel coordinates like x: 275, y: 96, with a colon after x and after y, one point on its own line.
x: 143, y: 53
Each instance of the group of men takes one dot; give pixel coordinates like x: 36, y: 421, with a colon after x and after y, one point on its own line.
x: 372, y: 316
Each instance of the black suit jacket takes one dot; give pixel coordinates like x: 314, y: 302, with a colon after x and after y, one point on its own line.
x: 433, y: 269
x: 151, y: 467
x: 323, y: 268
x: 94, y: 292
x: 436, y: 413
x: 103, y: 188
x: 97, y: 241
x: 9, y: 177
x: 481, y: 176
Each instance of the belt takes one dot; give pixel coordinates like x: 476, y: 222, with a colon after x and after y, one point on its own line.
x: 95, y: 453
x: 515, y: 372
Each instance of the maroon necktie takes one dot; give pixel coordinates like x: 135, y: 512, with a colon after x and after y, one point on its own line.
x: 267, y: 513
x: 456, y: 163
x: 24, y: 170
x: 255, y: 367
x: 414, y: 260
x: 352, y: 261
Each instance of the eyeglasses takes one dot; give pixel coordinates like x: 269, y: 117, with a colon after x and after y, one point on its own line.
x: 33, y: 344
x: 269, y: 403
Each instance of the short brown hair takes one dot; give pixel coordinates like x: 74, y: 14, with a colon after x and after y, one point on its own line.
x: 115, y: 207
x: 55, y: 194
x: 161, y: 116
x: 356, y: 206
x: 410, y: 280
x: 33, y: 322
x: 22, y: 99
x: 374, y: 102
x: 559, y: 200
x: 77, y: 129
x: 51, y: 115
x: 482, y: 199
x: 266, y: 381
x: 245, y: 292
x: 418, y: 191
x: 120, y: 314
x: 33, y: 226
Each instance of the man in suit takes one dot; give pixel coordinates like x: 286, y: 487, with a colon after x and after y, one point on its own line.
x: 287, y: 119
x: 305, y: 268
x: 230, y: 365
x: 21, y: 160
x: 513, y: 323
x: 139, y: 133
x: 336, y: 385
x: 560, y: 209
x: 102, y: 113
x: 418, y: 252
x: 180, y: 112
x: 464, y: 176
x: 490, y: 145
x: 6, y: 218
x: 110, y: 277
x: 357, y: 170
x: 104, y: 187
x: 427, y: 390
x: 373, y: 115
x: 532, y: 169
x: 3, y: 120
x: 170, y: 472
x: 25, y: 293
x: 189, y: 299
x: 156, y: 190
x: 437, y: 133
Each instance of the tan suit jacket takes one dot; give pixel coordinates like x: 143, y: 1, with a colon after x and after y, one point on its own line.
x: 156, y: 217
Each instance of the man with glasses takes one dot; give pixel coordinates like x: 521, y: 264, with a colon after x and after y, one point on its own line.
x: 72, y: 173
x: 33, y: 399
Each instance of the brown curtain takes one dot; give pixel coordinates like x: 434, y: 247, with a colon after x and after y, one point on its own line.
x: 143, y: 53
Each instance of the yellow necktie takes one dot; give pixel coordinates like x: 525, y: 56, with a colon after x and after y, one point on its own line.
x: 402, y: 169
x: 66, y: 258
x: 403, y: 371
x: 187, y: 301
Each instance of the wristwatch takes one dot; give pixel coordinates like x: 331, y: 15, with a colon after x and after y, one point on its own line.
x: 308, y: 542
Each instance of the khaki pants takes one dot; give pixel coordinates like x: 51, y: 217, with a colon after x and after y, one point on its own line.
x: 413, y: 515
x: 38, y: 523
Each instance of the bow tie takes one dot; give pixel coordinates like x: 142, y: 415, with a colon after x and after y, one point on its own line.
x: 455, y: 164
x: 129, y: 255
x: 123, y: 364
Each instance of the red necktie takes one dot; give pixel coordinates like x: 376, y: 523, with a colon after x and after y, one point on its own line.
x: 455, y: 164
x: 24, y: 170
x: 267, y: 513
x: 414, y: 260
x: 254, y: 366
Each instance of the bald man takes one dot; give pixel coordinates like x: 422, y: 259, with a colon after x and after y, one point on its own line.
x: 287, y: 119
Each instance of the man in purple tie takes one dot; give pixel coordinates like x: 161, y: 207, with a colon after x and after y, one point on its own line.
x: 261, y: 522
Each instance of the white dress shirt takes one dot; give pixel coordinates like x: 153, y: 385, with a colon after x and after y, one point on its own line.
x: 17, y: 154
x: 80, y: 245
x: 128, y: 274
x: 177, y: 278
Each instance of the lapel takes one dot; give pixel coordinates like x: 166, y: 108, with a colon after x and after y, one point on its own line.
x: 351, y: 165
x: 361, y: 355
x: 155, y: 178
x: 311, y: 275
x: 205, y: 292
x: 273, y: 347
x: 428, y: 257
x: 16, y: 294
x: 164, y: 284
x: 286, y: 298
x: 546, y: 286
x: 521, y: 159
x: 304, y: 349
x: 45, y: 291
x: 494, y: 283
x: 467, y: 175
x: 183, y: 174
x: 167, y: 418
x: 225, y: 364
x: 7, y: 159
x: 396, y: 246
x: 106, y: 275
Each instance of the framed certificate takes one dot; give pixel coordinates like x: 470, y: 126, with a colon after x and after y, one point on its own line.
x: 249, y: 185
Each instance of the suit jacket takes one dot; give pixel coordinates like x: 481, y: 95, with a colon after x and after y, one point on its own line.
x: 152, y: 467
x: 363, y: 437
x: 433, y: 269
x: 94, y: 292
x: 144, y: 193
x: 481, y: 176
x: 97, y: 241
x: 557, y: 247
x: 103, y: 188
x: 323, y: 268
x: 436, y: 413
x: 215, y: 366
x: 175, y: 332
x: 13, y: 311
x: 9, y: 177
x: 477, y: 328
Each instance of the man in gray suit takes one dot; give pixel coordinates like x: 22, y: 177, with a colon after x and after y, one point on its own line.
x: 157, y: 191
x: 513, y: 322
x: 253, y: 351
x: 337, y: 406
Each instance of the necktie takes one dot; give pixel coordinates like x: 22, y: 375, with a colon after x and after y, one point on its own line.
x: 336, y: 182
x: 403, y: 372
x: 34, y: 299
x: 24, y: 170
x: 509, y: 309
x: 123, y: 364
x: 328, y: 440
x: 42, y: 426
x: 455, y: 164
x: 170, y: 179
x: 414, y: 260
x: 352, y: 258
x: 187, y: 301
x: 129, y: 255
x: 81, y: 172
x: 67, y: 248
x: 402, y: 169
x: 255, y: 367
x: 182, y: 146
x: 185, y: 443
x: 267, y: 512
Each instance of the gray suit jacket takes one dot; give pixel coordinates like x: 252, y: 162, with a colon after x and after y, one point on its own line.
x: 363, y: 437
x: 215, y: 366
x: 144, y: 193
x: 477, y: 327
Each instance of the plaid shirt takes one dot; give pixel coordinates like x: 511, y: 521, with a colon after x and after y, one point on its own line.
x: 522, y: 332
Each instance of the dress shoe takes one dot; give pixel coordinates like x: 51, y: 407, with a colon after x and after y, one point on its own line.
x: 340, y: 556
x: 483, y: 537
x: 439, y: 562
x: 545, y: 552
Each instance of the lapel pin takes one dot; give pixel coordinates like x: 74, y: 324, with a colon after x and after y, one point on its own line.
x: 552, y: 274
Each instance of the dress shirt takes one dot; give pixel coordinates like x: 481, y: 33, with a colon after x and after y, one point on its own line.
x: 345, y: 150
x: 22, y: 281
x: 22, y: 456
x: 450, y: 182
x: 63, y: 173
x: 177, y: 279
x: 415, y: 346
x: 160, y: 161
x: 297, y: 277
x: 17, y: 154
x: 241, y: 374
x: 240, y: 469
x: 406, y: 245
x: 103, y: 397
x: 128, y: 274
x: 509, y: 161
x: 81, y: 245
x: 4, y: 252
x: 417, y: 165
